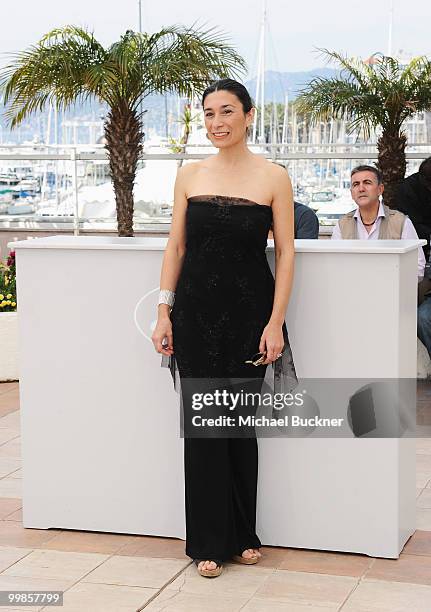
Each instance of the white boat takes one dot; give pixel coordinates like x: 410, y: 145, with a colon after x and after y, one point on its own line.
x: 321, y: 196
x: 21, y: 209
x: 8, y: 178
x: 28, y: 186
x: 329, y: 213
x: 153, y: 195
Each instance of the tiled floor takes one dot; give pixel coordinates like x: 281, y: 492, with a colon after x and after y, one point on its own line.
x: 120, y: 573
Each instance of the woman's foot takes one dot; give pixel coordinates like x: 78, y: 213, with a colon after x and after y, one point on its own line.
x: 251, y: 552
x: 209, y: 568
x: 249, y: 556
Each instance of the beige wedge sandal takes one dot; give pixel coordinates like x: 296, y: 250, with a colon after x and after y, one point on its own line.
x: 244, y: 560
x: 209, y: 573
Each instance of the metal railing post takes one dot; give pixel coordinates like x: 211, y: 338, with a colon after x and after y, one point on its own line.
x: 73, y: 158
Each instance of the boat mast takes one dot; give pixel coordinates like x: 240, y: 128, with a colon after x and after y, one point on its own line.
x: 47, y: 142
x: 391, y: 23
x: 285, y: 121
x: 260, y: 80
x: 57, y: 202
x: 262, y: 90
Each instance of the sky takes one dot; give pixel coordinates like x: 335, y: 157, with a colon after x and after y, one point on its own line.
x: 295, y: 29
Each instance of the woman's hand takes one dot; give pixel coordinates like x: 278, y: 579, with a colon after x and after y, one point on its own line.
x: 162, y: 336
x: 271, y: 341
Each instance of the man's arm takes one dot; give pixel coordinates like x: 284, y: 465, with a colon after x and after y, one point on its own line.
x: 409, y: 233
x: 412, y: 199
x: 308, y: 225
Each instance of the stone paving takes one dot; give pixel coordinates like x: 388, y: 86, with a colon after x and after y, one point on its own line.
x: 121, y: 573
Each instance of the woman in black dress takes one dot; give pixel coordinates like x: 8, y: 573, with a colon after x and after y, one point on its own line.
x: 219, y: 306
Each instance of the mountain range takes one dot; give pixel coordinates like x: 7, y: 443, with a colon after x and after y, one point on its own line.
x: 277, y: 85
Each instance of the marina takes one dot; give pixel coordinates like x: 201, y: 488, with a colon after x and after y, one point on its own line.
x: 71, y: 185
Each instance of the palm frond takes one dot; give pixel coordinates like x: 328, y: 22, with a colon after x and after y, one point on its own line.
x: 369, y: 94
x: 68, y: 64
x: 187, y: 59
x: 351, y: 68
x: 54, y: 70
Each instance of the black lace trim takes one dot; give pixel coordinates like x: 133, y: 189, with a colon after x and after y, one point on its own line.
x: 225, y: 200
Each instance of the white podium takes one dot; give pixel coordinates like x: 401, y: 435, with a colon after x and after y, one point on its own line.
x: 100, y: 419
x: 352, y: 314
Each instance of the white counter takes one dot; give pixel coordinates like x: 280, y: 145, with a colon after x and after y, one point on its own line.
x: 100, y: 434
x: 156, y: 244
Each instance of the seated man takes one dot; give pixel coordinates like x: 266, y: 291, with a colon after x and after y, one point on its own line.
x: 372, y: 220
x: 424, y: 318
x: 413, y: 198
x: 306, y: 222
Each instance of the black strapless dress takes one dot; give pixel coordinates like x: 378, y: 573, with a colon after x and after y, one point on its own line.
x: 224, y: 299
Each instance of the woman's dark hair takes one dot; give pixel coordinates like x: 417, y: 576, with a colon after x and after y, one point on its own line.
x: 233, y: 87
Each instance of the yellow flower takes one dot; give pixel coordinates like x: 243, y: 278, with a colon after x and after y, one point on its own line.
x: 6, y: 281
x: 1, y: 296
x: 8, y: 303
x: 9, y: 295
x: 2, y: 303
x: 13, y: 304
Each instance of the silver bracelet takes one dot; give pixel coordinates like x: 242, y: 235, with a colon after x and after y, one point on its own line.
x: 166, y: 296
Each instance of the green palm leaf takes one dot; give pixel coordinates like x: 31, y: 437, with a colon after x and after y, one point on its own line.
x: 69, y: 65
x: 370, y: 95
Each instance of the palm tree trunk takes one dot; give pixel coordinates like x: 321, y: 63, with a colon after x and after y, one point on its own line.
x: 124, y: 144
x: 391, y: 163
x: 187, y: 119
x: 184, y: 140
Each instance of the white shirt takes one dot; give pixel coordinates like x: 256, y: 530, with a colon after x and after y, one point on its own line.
x: 408, y: 233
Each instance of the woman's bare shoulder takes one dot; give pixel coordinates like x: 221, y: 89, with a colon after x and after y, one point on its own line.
x: 192, y: 168
x: 258, y: 160
x: 185, y: 175
x: 277, y: 174
x: 276, y: 169
x: 187, y: 169
x: 278, y: 181
x: 272, y: 169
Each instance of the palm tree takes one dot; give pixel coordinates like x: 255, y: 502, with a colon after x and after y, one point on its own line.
x: 69, y: 65
x: 373, y: 94
x: 186, y: 119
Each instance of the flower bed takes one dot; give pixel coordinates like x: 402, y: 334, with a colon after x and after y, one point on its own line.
x: 8, y: 320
